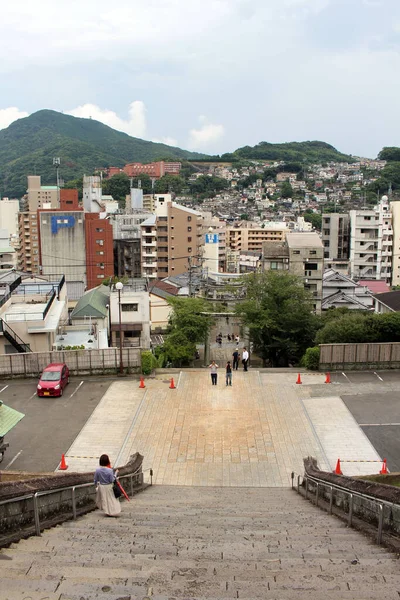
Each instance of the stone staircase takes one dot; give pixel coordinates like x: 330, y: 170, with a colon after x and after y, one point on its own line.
x: 191, y: 543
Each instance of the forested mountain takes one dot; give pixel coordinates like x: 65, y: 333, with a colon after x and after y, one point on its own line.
x: 27, y: 147
x: 311, y: 152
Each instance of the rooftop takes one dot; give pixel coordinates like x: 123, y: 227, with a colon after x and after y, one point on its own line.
x: 375, y: 286
x: 304, y: 240
x: 93, y: 303
x: 390, y: 299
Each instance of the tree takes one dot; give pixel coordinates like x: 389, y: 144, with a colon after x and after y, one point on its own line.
x: 390, y: 153
x: 286, y: 190
x: 118, y: 186
x: 169, y: 183
x: 315, y: 219
x: 187, y: 326
x: 360, y: 328
x: 278, y: 312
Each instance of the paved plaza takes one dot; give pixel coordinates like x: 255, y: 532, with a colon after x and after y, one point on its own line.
x: 254, y: 433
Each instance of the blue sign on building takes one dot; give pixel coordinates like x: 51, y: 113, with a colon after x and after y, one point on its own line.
x: 211, y: 238
x: 59, y: 221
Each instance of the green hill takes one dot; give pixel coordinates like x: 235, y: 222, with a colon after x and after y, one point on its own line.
x: 311, y: 152
x: 27, y: 147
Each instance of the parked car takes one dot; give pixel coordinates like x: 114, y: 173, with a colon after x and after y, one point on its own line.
x: 53, y: 380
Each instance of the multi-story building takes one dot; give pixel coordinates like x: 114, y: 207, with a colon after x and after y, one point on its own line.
x: 218, y: 226
x: 127, y: 243
x: 28, y: 248
x: 30, y: 314
x: 9, y: 216
x: 41, y: 196
x: 336, y: 236
x: 99, y: 252
x: 69, y: 199
x: 395, y: 210
x: 252, y: 237
x: 301, y: 254
x: 371, y: 242
x: 171, y: 239
x: 76, y: 244
x: 155, y: 169
x: 132, y: 306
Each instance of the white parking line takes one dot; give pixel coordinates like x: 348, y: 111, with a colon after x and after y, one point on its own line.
x: 378, y: 424
x: 378, y: 376
x: 34, y: 394
x: 74, y: 392
x: 344, y: 375
x: 4, y: 388
x: 13, y: 460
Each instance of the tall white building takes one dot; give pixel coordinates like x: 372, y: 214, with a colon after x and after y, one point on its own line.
x: 9, y: 216
x: 371, y: 242
x: 92, y: 194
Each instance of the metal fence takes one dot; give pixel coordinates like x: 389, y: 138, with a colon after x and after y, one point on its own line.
x: 359, y: 356
x: 90, y: 362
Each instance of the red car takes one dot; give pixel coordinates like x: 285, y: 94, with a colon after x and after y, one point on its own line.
x: 53, y: 380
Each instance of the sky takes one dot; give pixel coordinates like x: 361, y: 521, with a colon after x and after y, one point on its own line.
x: 210, y: 75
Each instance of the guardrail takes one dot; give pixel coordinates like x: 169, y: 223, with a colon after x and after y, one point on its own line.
x: 135, y: 479
x: 315, y: 485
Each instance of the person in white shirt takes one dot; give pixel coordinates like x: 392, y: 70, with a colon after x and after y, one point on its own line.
x: 245, y: 359
x: 213, y: 367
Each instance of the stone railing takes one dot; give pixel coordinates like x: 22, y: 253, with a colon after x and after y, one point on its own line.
x: 357, y: 499
x: 28, y: 505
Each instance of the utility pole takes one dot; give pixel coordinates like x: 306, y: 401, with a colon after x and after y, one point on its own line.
x: 56, y: 163
x: 190, y: 275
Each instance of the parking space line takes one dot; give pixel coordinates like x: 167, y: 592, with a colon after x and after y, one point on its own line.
x: 378, y: 376
x: 74, y: 392
x: 34, y: 394
x: 379, y: 424
x: 4, y: 388
x: 345, y: 376
x: 13, y: 460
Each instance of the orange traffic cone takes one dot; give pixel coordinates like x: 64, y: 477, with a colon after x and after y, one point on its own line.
x: 299, y: 379
x: 328, y: 378
x: 63, y: 466
x: 141, y: 385
x: 338, y: 470
x: 172, y: 384
x: 384, y: 470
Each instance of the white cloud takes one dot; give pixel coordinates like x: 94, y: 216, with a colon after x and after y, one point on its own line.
x: 135, y: 125
x: 9, y: 115
x: 207, y: 135
x: 170, y: 141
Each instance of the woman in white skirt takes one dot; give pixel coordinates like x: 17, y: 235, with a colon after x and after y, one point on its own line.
x: 104, y: 478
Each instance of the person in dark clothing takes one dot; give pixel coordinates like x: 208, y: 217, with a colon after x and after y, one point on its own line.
x: 228, y: 373
x: 235, y: 356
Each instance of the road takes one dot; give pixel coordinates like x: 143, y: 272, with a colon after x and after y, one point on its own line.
x: 50, y: 425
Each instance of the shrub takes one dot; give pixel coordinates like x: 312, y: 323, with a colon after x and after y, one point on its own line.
x: 149, y: 362
x: 311, y: 358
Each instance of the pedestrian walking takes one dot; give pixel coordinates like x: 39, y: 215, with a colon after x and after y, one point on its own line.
x: 104, y: 478
x: 235, y: 356
x: 214, y: 374
x: 228, y: 373
x: 229, y: 337
x: 237, y: 340
x: 245, y: 359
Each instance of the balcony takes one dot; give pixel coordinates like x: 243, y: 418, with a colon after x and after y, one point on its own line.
x: 149, y: 244
x: 151, y: 265
x: 149, y: 233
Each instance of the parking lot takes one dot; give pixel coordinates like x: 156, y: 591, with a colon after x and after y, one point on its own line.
x: 51, y: 424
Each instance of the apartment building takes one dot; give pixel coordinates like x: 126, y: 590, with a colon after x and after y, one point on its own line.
x: 9, y: 210
x: 127, y: 243
x: 371, y: 242
x: 171, y: 239
x: 395, y: 211
x: 301, y: 254
x: 41, y: 196
x: 28, y: 259
x: 336, y: 236
x: 251, y: 237
x: 218, y: 226
x: 155, y: 169
x: 99, y: 252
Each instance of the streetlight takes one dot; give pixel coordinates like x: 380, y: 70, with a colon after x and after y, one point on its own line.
x: 119, y: 286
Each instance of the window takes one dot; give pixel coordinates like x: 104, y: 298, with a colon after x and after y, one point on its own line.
x: 274, y: 265
x: 100, y: 265
x: 99, y: 252
x: 100, y: 276
x: 99, y: 229
x: 69, y: 202
x: 189, y: 249
x: 100, y: 242
x: 189, y: 218
x: 313, y: 252
x: 296, y: 251
x: 189, y: 239
x: 129, y: 307
x: 189, y: 229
